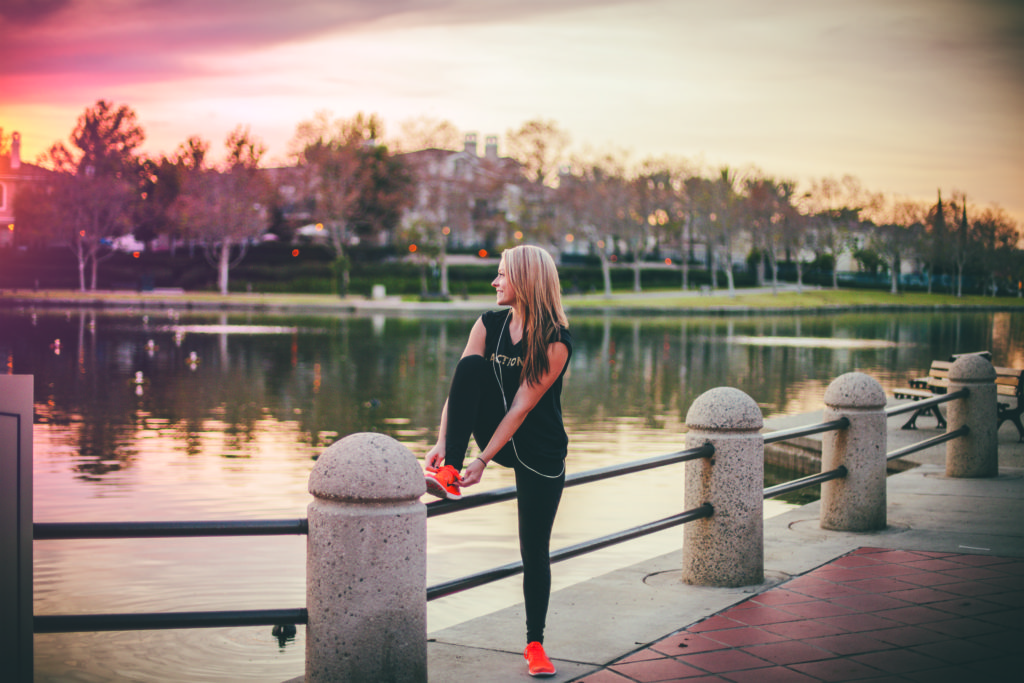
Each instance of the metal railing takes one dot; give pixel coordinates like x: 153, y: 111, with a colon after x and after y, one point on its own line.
x: 108, y: 530
x: 920, y: 406
x: 68, y: 623
x: 499, y: 495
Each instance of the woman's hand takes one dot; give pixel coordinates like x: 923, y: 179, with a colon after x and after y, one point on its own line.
x: 473, y: 472
x: 435, y: 457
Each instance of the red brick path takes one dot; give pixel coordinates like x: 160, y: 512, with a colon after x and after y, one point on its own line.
x: 873, y: 615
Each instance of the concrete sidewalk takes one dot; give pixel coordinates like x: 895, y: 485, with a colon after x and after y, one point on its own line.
x: 636, y: 611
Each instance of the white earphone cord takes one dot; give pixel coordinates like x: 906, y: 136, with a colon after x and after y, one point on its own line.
x: 501, y: 388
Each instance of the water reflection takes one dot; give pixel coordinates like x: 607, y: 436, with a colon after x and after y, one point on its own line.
x: 234, y: 408
x: 333, y: 376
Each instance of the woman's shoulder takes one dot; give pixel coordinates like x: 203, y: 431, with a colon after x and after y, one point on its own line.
x: 493, y: 318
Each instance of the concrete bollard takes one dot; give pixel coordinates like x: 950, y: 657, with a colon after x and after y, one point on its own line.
x: 366, y: 564
x: 974, y: 455
x: 726, y: 549
x: 857, y: 501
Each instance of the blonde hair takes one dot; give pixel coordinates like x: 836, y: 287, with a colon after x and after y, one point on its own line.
x: 534, y: 279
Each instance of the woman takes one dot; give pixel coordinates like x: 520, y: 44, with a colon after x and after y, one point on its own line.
x: 506, y: 394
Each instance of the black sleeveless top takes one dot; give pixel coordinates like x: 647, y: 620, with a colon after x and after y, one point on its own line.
x: 541, y: 438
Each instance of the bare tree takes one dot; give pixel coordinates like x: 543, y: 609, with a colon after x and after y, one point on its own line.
x: 539, y: 146
x: 225, y: 208
x: 651, y: 199
x: 772, y: 222
x: 724, y: 225
x: 425, y: 132
x: 91, y: 190
x: 836, y: 213
x: 595, y: 193
x: 895, y: 238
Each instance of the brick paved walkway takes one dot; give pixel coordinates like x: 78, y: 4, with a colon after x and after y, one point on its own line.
x: 875, y: 614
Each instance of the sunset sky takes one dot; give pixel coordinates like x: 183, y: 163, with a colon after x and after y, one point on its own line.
x: 907, y: 95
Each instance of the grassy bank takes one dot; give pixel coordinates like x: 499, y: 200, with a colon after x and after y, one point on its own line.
x: 664, y: 300
x: 809, y: 298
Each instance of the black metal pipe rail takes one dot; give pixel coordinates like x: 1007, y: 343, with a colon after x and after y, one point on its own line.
x: 51, y: 531
x: 442, y: 507
x: 928, y: 443
x: 70, y: 623
x: 787, y: 434
x: 924, y: 404
x: 804, y: 482
x: 488, y: 576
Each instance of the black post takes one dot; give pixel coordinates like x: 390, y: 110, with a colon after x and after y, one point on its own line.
x: 16, y: 526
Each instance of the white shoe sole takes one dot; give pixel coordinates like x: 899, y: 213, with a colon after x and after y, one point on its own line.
x: 435, y: 488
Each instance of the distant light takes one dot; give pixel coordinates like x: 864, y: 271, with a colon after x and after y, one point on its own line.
x: 600, y: 244
x: 519, y: 234
x: 569, y: 237
x: 136, y: 254
x: 295, y: 252
x: 81, y: 233
x: 10, y: 226
x: 668, y: 262
x: 614, y: 258
x: 446, y: 230
x: 412, y: 248
x: 319, y: 226
x: 482, y: 253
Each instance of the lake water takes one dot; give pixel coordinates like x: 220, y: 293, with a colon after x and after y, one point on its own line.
x: 168, y: 415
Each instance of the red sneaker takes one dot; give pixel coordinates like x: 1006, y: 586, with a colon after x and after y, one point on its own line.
x: 444, y: 483
x: 538, y: 661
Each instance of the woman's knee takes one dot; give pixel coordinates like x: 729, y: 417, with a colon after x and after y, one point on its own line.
x: 472, y: 363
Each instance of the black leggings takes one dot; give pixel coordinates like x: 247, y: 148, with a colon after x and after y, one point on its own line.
x: 475, y: 408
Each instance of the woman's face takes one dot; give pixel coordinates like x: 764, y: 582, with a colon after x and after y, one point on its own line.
x: 506, y: 295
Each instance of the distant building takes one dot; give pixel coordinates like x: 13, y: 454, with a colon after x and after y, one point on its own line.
x: 13, y: 175
x: 480, y: 199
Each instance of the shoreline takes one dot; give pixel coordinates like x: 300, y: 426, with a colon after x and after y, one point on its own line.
x: 654, y: 303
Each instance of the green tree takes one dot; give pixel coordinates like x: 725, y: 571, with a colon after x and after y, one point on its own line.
x: 934, y: 245
x: 356, y: 186
x: 997, y: 237
x: 963, y: 243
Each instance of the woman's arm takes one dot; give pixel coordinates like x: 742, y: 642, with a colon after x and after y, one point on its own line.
x: 476, y: 344
x: 526, y: 398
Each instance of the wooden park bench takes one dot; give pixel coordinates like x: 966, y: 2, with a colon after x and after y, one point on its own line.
x: 1009, y: 385
x: 934, y: 383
